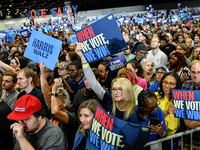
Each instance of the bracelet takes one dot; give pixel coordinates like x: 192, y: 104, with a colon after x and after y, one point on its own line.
x: 85, y: 66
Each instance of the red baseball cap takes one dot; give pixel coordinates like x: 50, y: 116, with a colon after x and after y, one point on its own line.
x: 25, y: 107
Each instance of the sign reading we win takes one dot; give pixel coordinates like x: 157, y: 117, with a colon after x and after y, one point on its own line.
x: 187, y: 103
x: 101, y: 39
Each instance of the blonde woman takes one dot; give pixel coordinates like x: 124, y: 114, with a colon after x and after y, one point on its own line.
x: 121, y: 104
x: 195, y: 54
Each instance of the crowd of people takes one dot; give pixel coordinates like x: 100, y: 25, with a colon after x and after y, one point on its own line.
x: 160, y: 57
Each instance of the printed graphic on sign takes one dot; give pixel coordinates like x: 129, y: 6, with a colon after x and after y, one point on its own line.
x: 116, y: 63
x: 101, y: 39
x: 107, y: 132
x: 2, y: 34
x: 43, y: 47
x: 25, y: 34
x: 187, y: 103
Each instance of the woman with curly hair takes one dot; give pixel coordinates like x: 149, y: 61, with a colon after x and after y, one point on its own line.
x: 178, y: 65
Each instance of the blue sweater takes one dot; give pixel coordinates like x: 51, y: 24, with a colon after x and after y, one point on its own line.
x: 158, y: 114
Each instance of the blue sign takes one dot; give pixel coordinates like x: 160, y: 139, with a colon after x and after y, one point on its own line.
x: 77, y: 27
x: 10, y: 35
x: 139, y: 20
x: 43, y: 47
x: 174, y: 18
x: 25, y: 34
x: 2, y: 34
x: 184, y: 16
x: 187, y: 103
x: 107, y: 132
x: 120, y: 20
x: 127, y: 21
x: 196, y: 17
x: 116, y: 63
x: 101, y: 39
x: 73, y: 38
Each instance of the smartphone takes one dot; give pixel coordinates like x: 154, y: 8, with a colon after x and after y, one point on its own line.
x: 154, y: 121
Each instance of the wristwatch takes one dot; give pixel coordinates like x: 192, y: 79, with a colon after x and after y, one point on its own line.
x: 54, y: 94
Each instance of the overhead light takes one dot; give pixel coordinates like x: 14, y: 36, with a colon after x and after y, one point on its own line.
x: 7, y: 9
x: 10, y: 5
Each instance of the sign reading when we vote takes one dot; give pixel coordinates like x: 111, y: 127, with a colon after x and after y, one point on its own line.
x: 110, y: 133
x: 187, y: 103
x: 101, y: 39
x: 43, y: 47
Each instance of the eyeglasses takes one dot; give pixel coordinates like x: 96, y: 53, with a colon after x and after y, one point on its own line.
x: 119, y: 90
x: 154, y: 41
x: 197, y: 73
x: 160, y: 72
x: 169, y: 83
x: 143, y: 53
x: 72, y: 70
x: 154, y: 107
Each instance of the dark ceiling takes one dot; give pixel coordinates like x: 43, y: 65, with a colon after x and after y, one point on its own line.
x: 16, y: 8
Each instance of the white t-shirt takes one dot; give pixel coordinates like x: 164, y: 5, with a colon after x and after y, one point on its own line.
x: 159, y: 58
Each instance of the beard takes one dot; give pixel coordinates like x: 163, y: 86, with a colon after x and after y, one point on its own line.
x: 162, y: 48
x: 141, y: 57
x: 34, y: 128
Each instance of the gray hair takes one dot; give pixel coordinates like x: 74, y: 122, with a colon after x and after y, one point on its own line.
x: 144, y: 61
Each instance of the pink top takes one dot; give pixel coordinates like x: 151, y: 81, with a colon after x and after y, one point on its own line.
x: 142, y: 83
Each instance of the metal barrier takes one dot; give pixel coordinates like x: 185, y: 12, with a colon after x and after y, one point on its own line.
x: 157, y: 144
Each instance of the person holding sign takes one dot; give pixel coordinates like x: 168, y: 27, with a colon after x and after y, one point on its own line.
x: 122, y: 105
x: 85, y: 115
x: 169, y: 81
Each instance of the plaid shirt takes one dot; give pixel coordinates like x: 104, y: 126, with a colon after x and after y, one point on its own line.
x: 189, y: 85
